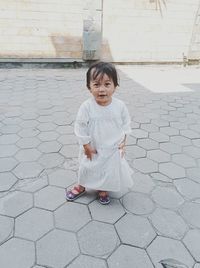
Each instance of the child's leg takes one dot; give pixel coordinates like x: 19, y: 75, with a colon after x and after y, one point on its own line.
x: 103, y: 197
x: 75, y: 192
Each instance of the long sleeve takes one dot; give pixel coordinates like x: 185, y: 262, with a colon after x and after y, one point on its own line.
x: 126, y: 120
x: 81, y: 125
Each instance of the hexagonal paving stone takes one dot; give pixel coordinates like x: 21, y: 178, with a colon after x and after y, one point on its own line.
x: 190, y: 134
x: 160, y: 177
x: 166, y: 248
x: 133, y: 151
x: 188, y: 188
x: 7, y: 180
x: 65, y: 129
x: 92, y: 239
x: 68, y: 139
x: 158, y: 156
x: 25, y: 155
x: 6, y: 227
x: 48, y: 252
x: 29, y: 115
x: 17, y: 253
x: 8, y: 150
x: 62, y: 178
x: 149, y: 127
x: 7, y: 164
x: 139, y: 133
x: 37, y: 266
x: 135, y: 231
x: 141, y: 119
x: 28, y: 170
x: 62, y: 118
x: 178, y: 125
x: 184, y: 160
x: 45, y: 118
x: 109, y: 214
x: 10, y: 129
x: 46, y: 126
x: 138, y: 203
x: 49, y: 198
x: 191, y: 240
x: 193, y: 174
x: 142, y: 183
x: 148, y: 144
x: 145, y: 165
x: 192, y: 151
x: 28, y: 132
x: 172, y: 170
x: 33, y: 224
x: 131, y: 141
x: 126, y: 257
x: 9, y: 139
x: 70, y: 151
x: 191, y: 213
x: 84, y: 261
x: 32, y: 185
x: 51, y: 160
x: 15, y: 203
x: 50, y: 147
x: 29, y: 123
x: 80, y: 217
x: 167, y: 197
x: 159, y: 137
x: 196, y: 142
x: 180, y: 140
x: 169, y: 131
x: 170, y: 147
x: 168, y: 223
x: 160, y: 122
x: 27, y: 143
x: 48, y: 136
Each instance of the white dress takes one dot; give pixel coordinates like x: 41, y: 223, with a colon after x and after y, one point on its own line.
x: 104, y: 127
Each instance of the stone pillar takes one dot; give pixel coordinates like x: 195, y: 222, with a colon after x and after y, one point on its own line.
x: 92, y: 30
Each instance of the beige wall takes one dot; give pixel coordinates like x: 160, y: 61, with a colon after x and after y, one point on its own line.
x: 41, y: 28
x: 141, y: 30
x: 132, y: 30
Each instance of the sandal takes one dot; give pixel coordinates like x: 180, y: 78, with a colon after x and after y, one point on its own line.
x: 71, y: 196
x: 104, y: 198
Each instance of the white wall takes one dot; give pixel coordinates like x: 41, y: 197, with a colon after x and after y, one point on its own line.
x: 132, y: 30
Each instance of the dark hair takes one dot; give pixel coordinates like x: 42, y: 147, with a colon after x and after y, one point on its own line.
x: 100, y: 68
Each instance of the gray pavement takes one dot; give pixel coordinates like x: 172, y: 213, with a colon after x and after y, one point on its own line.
x: 159, y: 220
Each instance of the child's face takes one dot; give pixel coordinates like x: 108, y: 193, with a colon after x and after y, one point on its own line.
x: 102, y: 89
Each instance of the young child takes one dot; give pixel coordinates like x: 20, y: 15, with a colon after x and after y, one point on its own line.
x: 102, y: 125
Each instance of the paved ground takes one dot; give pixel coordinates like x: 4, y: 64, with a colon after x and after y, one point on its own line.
x: 158, y: 220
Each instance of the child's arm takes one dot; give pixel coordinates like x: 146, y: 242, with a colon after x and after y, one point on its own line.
x: 81, y: 131
x: 81, y: 126
x: 126, y: 126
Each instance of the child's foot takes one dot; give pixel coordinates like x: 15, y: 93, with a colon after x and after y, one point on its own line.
x: 75, y: 192
x: 104, y: 198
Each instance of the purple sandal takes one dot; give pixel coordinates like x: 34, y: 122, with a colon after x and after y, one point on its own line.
x: 70, y: 196
x: 104, y: 198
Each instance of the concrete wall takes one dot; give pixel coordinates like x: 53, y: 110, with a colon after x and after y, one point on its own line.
x: 41, y: 28
x: 148, y: 30
x: 131, y: 30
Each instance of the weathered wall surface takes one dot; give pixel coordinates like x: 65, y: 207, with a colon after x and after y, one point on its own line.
x: 41, y: 28
x: 148, y: 30
x: 130, y: 30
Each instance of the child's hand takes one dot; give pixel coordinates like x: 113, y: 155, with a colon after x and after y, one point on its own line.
x: 122, y: 148
x: 89, y: 151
